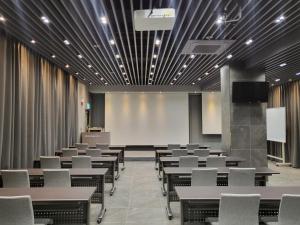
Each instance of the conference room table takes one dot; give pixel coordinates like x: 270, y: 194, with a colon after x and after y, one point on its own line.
x: 62, y: 205
x: 97, y: 162
x: 199, y: 203
x: 170, y: 161
x: 162, y: 153
x: 181, y: 176
x: 116, y: 153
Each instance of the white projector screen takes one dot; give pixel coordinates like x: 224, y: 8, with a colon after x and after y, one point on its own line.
x: 147, y: 118
x: 211, y: 113
x: 276, y: 124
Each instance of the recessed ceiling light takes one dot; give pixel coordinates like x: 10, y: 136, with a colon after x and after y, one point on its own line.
x: 121, y: 66
x: 290, y: 80
x: 277, y: 80
x: 117, y: 56
x: 112, y: 42
x: 171, y: 83
x: 45, y: 19
x: 2, y: 18
x: 272, y: 84
x: 76, y: 73
x: 206, y: 73
x: 53, y: 56
x: 280, y: 19
x: 157, y: 41
x: 124, y: 73
x: 184, y: 66
x: 89, y: 66
x: 103, y: 19
x: 33, y: 41
x: 192, y: 56
x: 282, y: 64
x: 101, y: 78
x: 249, y: 42
x: 84, y: 78
x: 151, y: 73
x: 216, y: 66
x: 66, y: 42
x: 154, y: 56
x: 96, y: 46
x: 199, y: 78
x: 193, y: 83
x: 152, y: 66
x: 80, y: 56
x: 127, y: 83
x: 175, y: 78
x: 229, y: 56
x: 298, y: 74
x: 90, y: 83
x: 179, y: 73
x: 67, y: 65
x: 106, y: 83
x: 96, y: 73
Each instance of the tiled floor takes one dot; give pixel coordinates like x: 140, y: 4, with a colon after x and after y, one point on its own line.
x: 138, y: 199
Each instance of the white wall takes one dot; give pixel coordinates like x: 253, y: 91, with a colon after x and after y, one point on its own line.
x: 147, y: 118
x: 211, y: 113
x: 83, y: 98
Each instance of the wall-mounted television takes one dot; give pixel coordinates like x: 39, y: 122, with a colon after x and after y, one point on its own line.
x: 250, y: 92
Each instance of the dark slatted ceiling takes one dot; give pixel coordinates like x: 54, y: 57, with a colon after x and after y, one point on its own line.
x: 79, y: 22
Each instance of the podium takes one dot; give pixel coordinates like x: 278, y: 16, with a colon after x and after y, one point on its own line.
x: 93, y: 138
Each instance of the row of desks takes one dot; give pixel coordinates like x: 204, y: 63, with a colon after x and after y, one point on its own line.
x: 199, y: 203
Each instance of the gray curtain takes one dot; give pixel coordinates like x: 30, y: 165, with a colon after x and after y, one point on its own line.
x: 38, y: 106
x: 288, y: 95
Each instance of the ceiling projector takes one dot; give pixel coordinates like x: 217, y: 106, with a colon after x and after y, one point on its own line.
x: 154, y: 19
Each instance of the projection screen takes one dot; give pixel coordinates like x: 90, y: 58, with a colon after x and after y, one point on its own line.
x: 147, y: 118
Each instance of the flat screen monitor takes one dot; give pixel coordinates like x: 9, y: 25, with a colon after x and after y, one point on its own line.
x: 243, y: 92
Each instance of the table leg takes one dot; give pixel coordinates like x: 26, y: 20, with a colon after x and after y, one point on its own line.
x: 168, y: 208
x: 159, y: 170
x: 117, y: 168
x: 163, y: 189
x: 113, y: 188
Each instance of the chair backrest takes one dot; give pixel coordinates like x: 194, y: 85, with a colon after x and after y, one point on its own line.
x: 69, y: 152
x: 93, y: 152
x: 16, y: 210
x: 82, y: 146
x: 57, y: 178
x: 204, y: 177
x: 289, y: 210
x: 50, y: 162
x: 179, y: 152
x: 192, y: 146
x: 236, y: 209
x: 241, y: 177
x: 188, y: 161
x: 201, y: 152
x: 102, y: 146
x: 15, y: 178
x: 81, y: 162
x: 216, y: 161
x: 173, y: 146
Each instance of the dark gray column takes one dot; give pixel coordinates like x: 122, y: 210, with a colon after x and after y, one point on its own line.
x: 243, y: 124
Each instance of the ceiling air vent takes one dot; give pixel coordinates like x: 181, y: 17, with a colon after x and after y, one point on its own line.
x: 208, y: 47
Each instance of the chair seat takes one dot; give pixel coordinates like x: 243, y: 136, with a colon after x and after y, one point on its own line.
x: 44, y: 221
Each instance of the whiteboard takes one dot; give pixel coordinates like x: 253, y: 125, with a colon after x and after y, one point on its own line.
x: 147, y: 118
x: 211, y: 113
x: 276, y: 124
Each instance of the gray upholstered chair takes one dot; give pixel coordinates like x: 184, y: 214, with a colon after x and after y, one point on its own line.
x: 204, y: 177
x: 192, y: 146
x: 93, y: 152
x: 102, y: 146
x: 173, y: 146
x: 179, y: 152
x: 201, y: 152
x: 15, y: 178
x: 289, y: 210
x: 57, y: 178
x: 82, y: 146
x: 69, y: 152
x: 241, y: 177
x: 214, y: 161
x: 81, y: 162
x: 17, y: 210
x: 236, y: 209
x: 50, y: 162
x: 188, y: 161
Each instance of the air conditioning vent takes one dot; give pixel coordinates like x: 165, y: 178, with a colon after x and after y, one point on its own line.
x: 208, y: 47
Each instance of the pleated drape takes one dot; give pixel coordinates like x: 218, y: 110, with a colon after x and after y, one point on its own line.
x: 288, y: 95
x: 38, y: 106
